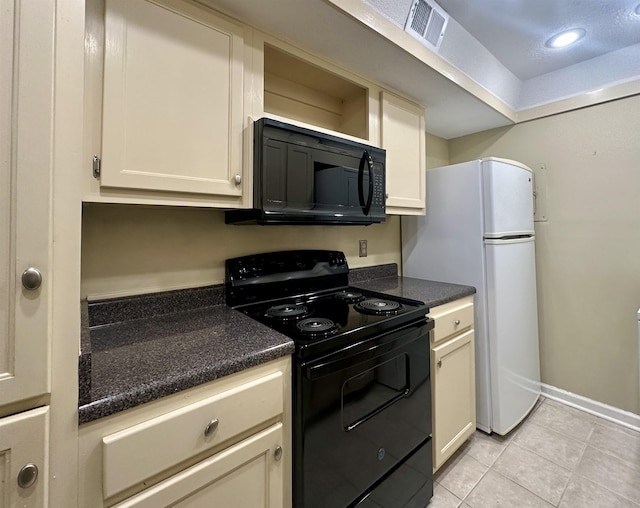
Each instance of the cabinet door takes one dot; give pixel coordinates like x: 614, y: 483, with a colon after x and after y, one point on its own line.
x: 454, y: 395
x: 250, y: 473
x: 26, y: 78
x: 172, y: 105
x: 403, y: 137
x: 23, y: 450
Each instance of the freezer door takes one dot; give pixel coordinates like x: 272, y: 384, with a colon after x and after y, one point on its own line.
x: 508, y: 198
x: 513, y: 330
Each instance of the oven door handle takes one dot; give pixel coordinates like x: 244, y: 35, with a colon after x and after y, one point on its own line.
x: 336, y: 363
x: 378, y: 410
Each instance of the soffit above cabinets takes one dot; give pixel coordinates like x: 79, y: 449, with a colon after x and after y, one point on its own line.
x: 464, y: 87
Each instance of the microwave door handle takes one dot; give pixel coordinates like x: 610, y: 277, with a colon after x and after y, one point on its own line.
x: 366, y: 158
x: 361, y: 180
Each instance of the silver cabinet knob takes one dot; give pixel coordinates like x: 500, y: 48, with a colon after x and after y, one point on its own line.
x: 439, y: 364
x: 456, y: 322
x: 27, y: 476
x: 31, y: 278
x: 386, y: 195
x: 277, y: 454
x: 238, y: 179
x: 211, y: 427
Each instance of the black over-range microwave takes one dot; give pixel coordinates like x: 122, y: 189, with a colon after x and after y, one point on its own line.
x: 301, y: 176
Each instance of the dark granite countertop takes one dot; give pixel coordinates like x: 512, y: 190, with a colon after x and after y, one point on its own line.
x: 139, y: 349
x: 138, y: 361
x: 430, y: 292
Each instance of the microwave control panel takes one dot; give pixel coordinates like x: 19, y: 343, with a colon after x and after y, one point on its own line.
x: 379, y: 197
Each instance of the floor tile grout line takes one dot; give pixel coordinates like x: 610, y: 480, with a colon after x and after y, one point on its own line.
x: 564, y: 491
x: 606, y: 488
x: 571, y: 471
x: 454, y: 495
x: 608, y: 452
x: 535, y: 452
x: 525, y: 488
x: 590, y: 424
x: 489, y: 468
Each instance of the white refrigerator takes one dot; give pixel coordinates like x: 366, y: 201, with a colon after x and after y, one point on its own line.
x: 478, y: 231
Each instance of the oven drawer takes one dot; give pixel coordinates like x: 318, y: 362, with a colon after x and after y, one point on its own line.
x: 451, y: 318
x: 137, y: 453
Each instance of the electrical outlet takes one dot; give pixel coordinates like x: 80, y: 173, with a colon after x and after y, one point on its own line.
x: 363, y: 248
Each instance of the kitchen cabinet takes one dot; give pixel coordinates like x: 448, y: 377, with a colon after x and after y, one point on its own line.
x: 23, y: 459
x: 246, y: 474
x: 301, y: 87
x: 227, y: 442
x: 168, y: 125
x: 403, y: 136
x: 26, y: 83
x: 452, y: 377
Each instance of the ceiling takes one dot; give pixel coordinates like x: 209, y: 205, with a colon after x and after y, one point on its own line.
x: 492, y: 69
x: 515, y: 31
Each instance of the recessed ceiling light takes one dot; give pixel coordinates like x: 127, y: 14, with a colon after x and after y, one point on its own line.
x: 565, y: 38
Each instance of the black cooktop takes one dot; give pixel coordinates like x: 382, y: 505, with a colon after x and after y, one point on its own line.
x: 303, y: 294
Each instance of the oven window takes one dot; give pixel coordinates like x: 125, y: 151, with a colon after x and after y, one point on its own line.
x: 373, y: 390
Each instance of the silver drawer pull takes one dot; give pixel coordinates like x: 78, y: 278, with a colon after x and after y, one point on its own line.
x: 456, y: 322
x: 277, y: 454
x: 211, y: 427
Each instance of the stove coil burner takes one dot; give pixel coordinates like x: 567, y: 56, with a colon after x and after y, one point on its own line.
x: 379, y: 307
x: 317, y: 327
x: 287, y: 312
x: 349, y: 296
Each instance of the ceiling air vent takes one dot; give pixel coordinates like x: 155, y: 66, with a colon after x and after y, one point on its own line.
x: 427, y: 22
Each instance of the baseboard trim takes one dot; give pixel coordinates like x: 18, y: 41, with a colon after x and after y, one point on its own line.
x: 610, y: 413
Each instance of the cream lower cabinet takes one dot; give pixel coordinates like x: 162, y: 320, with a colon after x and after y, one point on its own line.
x: 226, y: 443
x: 171, y: 112
x: 246, y: 474
x: 403, y: 136
x: 23, y: 459
x: 452, y: 378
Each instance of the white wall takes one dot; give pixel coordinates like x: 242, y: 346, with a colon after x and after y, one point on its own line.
x: 138, y: 249
x: 588, y: 253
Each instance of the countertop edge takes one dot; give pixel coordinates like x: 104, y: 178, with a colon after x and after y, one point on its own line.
x: 142, y: 394
x: 432, y: 293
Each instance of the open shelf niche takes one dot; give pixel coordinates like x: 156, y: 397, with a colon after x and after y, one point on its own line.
x: 299, y: 90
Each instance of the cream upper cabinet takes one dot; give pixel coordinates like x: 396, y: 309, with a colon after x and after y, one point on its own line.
x: 26, y: 88
x: 23, y: 459
x: 452, y: 378
x: 403, y: 136
x: 171, y: 112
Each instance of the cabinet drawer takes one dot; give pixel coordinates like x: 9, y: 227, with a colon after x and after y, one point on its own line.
x: 246, y: 474
x: 452, y: 318
x: 144, y: 450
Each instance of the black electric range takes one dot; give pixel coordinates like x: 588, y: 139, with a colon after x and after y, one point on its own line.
x: 305, y: 295
x: 361, y: 379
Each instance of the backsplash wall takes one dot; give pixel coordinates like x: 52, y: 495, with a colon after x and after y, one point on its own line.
x: 128, y: 249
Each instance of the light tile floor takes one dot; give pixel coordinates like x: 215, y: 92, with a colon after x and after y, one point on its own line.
x: 559, y: 456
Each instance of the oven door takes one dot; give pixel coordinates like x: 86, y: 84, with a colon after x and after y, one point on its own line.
x: 359, y: 416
